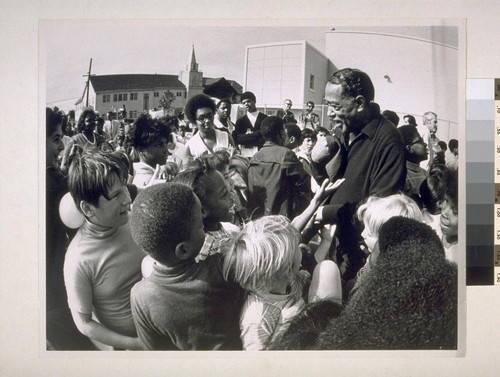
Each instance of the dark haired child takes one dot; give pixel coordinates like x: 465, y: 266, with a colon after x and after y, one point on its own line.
x: 217, y: 204
x: 409, y: 300
x: 150, y: 138
x: 102, y: 262
x: 432, y: 192
x: 231, y: 168
x: 449, y: 218
x: 181, y: 304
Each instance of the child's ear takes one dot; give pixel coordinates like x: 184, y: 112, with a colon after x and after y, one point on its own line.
x: 204, y: 213
x: 87, y: 209
x: 183, y: 252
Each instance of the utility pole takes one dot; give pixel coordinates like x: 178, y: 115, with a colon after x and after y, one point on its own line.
x: 88, y: 82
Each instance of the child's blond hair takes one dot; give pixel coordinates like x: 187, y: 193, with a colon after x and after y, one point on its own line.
x: 376, y: 211
x: 262, y: 254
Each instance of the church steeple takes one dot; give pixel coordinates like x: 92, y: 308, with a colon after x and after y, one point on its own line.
x: 191, y: 77
x: 192, y: 65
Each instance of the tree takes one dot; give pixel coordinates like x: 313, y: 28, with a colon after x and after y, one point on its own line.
x: 167, y: 100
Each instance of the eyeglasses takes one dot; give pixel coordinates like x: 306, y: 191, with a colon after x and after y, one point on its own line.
x: 205, y: 117
x: 335, y: 106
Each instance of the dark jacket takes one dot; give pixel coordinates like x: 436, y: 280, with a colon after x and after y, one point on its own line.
x: 277, y: 182
x: 253, y: 138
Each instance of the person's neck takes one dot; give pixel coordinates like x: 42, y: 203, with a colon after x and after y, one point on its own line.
x: 222, y: 120
x: 88, y: 134
x: 451, y: 240
x: 208, y: 134
x: 211, y: 226
x: 146, y: 162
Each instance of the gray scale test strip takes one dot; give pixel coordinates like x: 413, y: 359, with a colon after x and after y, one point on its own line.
x: 483, y: 182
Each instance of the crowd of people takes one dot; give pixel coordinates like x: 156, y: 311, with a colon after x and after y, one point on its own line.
x: 272, y: 233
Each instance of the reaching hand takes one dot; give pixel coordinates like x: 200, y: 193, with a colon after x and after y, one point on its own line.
x: 155, y: 179
x: 326, y: 188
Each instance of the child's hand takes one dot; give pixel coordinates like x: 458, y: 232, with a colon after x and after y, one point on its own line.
x: 326, y: 188
x: 155, y: 179
x: 170, y: 170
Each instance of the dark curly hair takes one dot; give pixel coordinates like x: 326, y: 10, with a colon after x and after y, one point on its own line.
x: 53, y: 120
x: 354, y: 83
x: 271, y: 128
x: 145, y: 130
x: 161, y: 218
x: 81, y: 121
x: 409, y: 300
x: 197, y: 102
x: 218, y: 160
x: 196, y: 177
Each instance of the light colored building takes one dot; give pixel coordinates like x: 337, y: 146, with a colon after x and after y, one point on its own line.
x: 134, y: 92
x: 295, y: 70
x: 138, y: 93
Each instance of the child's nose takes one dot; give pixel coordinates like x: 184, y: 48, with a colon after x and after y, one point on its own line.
x: 127, y: 200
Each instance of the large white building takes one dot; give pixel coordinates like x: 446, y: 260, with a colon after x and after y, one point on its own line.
x: 295, y: 70
x: 414, y: 69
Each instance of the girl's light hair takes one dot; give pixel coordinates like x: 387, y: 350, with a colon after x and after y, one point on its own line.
x: 376, y: 211
x: 262, y: 255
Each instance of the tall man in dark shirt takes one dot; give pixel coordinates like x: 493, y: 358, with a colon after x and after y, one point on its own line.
x: 246, y: 132
x: 373, y: 152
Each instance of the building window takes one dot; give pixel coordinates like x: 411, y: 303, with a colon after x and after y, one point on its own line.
x: 311, y: 82
x: 179, y: 94
x: 133, y: 96
x: 125, y: 95
x: 106, y: 98
x: 133, y: 114
x: 120, y: 97
x: 115, y: 97
x: 156, y: 94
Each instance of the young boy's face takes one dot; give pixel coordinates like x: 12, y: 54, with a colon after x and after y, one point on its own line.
x: 197, y: 235
x: 113, y: 212
x: 156, y: 153
x: 219, y: 200
x: 53, y: 147
x: 449, y: 221
x: 370, y: 239
x: 307, y: 145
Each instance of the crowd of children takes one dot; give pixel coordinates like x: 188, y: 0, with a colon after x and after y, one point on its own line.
x: 170, y: 253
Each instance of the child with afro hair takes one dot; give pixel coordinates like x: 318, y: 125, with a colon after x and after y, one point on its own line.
x: 181, y: 304
x: 410, y: 300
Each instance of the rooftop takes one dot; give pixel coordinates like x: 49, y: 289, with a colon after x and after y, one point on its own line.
x: 105, y: 83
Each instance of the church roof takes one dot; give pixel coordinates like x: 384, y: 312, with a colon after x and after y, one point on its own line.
x: 104, y: 83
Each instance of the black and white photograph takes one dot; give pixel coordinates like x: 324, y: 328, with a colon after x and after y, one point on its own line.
x: 265, y: 188
x: 252, y: 188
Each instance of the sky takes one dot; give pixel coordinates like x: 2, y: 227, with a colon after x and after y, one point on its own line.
x: 153, y: 46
